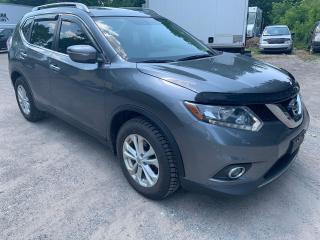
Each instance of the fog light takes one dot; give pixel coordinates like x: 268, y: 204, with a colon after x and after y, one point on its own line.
x: 232, y: 172
x: 236, y: 172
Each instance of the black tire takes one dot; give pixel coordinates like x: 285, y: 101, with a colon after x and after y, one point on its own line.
x: 168, y: 181
x: 35, y: 114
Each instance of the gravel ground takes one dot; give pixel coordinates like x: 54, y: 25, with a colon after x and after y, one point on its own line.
x: 58, y: 183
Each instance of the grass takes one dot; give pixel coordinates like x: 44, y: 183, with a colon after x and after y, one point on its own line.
x: 301, y: 53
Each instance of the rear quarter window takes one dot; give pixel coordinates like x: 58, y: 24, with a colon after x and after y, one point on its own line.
x: 42, y: 33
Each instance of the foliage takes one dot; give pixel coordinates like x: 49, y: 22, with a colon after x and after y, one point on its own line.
x: 300, y: 17
x: 267, y: 7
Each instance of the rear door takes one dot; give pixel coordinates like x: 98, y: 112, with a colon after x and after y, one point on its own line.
x: 77, y: 88
x: 37, y: 54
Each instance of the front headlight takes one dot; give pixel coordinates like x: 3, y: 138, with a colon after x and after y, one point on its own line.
x: 227, y: 116
x: 288, y: 42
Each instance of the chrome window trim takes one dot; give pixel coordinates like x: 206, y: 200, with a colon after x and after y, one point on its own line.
x: 53, y: 51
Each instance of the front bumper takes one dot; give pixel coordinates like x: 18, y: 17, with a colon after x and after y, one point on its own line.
x: 207, y: 149
x: 276, y: 47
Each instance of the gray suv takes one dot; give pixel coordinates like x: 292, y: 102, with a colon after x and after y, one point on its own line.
x: 175, y: 112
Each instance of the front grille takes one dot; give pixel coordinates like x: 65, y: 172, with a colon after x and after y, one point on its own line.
x: 277, y: 40
x: 263, y: 112
x: 266, y: 115
x: 316, y: 44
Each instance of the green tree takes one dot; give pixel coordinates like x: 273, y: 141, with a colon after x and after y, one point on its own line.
x: 267, y: 7
x: 300, y: 17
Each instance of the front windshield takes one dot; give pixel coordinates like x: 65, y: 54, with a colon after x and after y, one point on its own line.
x: 142, y: 39
x: 276, y: 31
x: 252, y: 18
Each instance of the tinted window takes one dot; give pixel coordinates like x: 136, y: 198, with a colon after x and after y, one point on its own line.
x: 146, y: 39
x: 71, y: 34
x: 276, y: 31
x: 26, y: 28
x: 43, y: 33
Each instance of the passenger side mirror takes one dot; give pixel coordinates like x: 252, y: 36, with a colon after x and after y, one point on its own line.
x: 82, y: 53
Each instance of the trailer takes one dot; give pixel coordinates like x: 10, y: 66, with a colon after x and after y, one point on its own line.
x: 255, y: 22
x: 11, y: 14
x: 221, y: 24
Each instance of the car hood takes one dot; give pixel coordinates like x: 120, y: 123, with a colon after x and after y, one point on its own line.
x: 226, y: 74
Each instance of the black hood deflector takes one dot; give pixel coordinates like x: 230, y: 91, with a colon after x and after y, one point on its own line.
x: 246, y: 98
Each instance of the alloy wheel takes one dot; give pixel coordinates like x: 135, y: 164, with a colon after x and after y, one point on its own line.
x: 23, y: 99
x: 141, y: 160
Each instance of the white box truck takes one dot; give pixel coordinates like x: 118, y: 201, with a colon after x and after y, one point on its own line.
x: 255, y: 22
x: 221, y: 24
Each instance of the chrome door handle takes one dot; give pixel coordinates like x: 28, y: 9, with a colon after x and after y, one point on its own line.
x: 23, y: 54
x: 54, y: 67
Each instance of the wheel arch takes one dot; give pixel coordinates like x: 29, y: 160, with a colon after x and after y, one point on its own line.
x: 125, y: 113
x: 14, y: 76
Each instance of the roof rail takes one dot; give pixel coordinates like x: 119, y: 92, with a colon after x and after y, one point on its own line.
x: 80, y: 6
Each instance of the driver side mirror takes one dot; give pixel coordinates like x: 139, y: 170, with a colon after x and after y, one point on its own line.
x: 293, y: 34
x: 83, y: 54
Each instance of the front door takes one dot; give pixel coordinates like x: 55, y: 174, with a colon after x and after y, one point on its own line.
x: 78, y: 89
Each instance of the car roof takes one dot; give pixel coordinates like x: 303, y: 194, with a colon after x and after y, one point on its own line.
x: 98, y: 12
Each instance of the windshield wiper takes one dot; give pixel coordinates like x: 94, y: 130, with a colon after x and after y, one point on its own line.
x: 156, y: 61
x: 195, y: 57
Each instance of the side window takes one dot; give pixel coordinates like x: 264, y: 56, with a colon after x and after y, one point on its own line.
x: 43, y: 33
x: 72, y: 34
x: 26, y: 28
